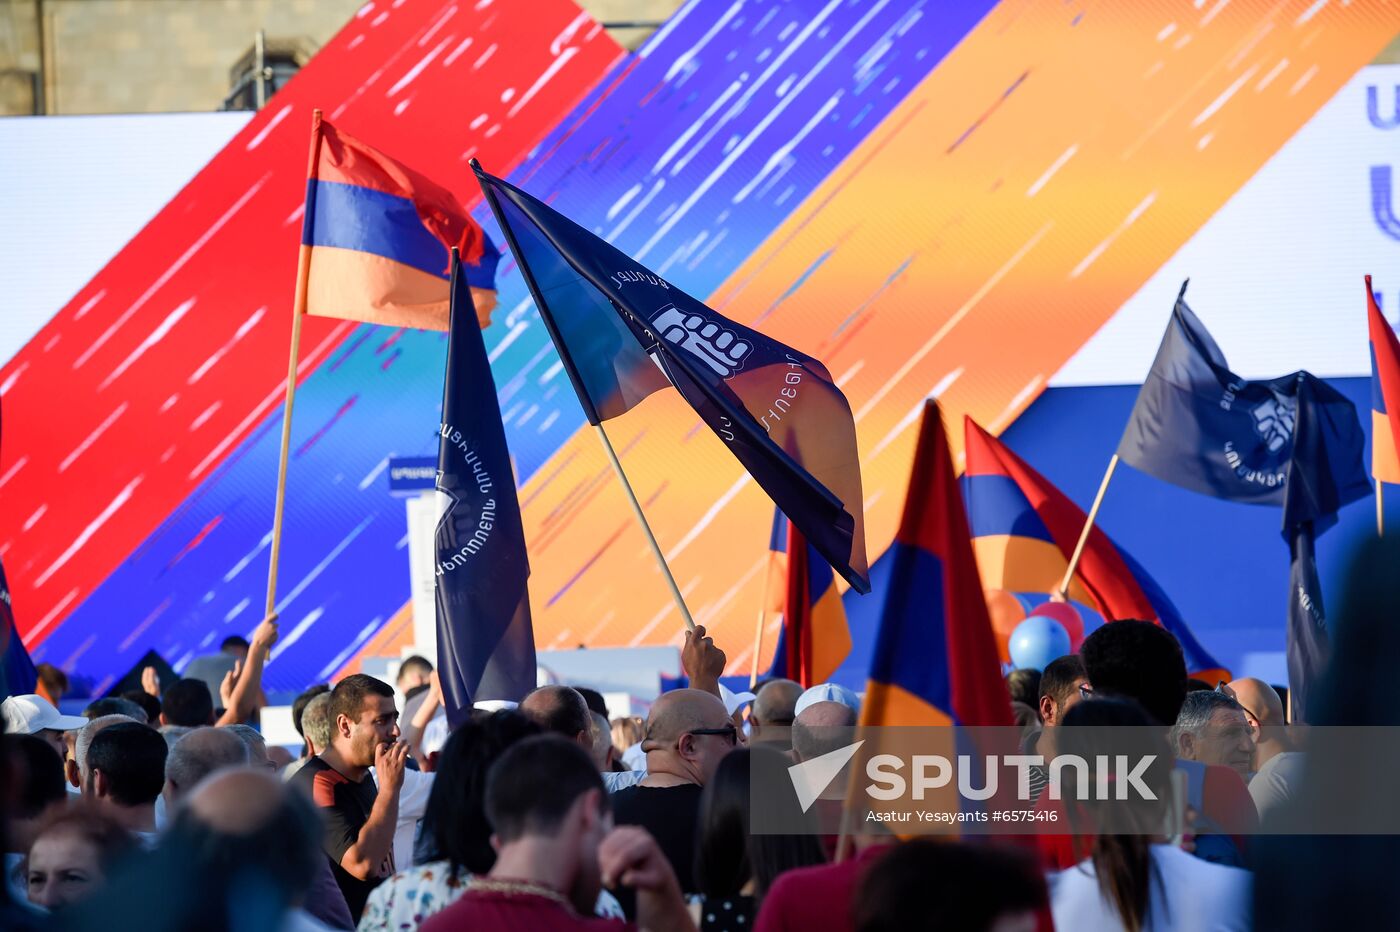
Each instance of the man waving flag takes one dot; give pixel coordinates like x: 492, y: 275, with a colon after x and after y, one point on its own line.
x: 624, y: 332
x: 486, y: 646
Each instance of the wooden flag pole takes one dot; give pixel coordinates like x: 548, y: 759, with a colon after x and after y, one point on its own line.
x: 758, y: 635
x: 298, y: 312
x: 646, y: 528
x: 1380, y: 508
x: 1088, y: 526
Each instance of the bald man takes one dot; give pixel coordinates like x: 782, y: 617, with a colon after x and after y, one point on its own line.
x: 688, y: 732
x: 197, y: 755
x: 774, y: 708
x: 1278, y: 764
x: 246, y: 819
x: 561, y: 710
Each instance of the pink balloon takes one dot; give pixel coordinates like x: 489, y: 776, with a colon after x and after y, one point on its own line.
x: 1066, y: 615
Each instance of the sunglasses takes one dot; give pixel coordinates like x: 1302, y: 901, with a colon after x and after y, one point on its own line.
x: 1224, y: 689
x: 730, y: 733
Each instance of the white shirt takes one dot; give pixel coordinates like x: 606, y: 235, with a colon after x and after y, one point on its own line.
x: 1187, y: 895
x: 1277, y: 781
x: 635, y: 757
x: 614, y: 780
x: 413, y: 802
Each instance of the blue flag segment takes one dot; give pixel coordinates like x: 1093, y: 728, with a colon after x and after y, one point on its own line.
x: 1308, y: 642
x: 1198, y: 425
x: 486, y: 645
x: 624, y: 332
x: 1293, y: 441
x: 17, y: 674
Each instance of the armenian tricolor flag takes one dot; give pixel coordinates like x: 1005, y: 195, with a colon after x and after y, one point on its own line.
x: 815, y: 638
x: 376, y: 239
x: 935, y: 660
x: 1024, y: 530
x: 1385, y: 393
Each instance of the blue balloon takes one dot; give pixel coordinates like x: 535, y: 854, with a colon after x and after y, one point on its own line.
x: 1037, y: 641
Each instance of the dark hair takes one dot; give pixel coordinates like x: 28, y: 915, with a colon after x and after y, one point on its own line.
x: 413, y: 664
x: 1140, y: 660
x: 55, y: 680
x: 299, y: 704
x: 348, y: 697
x: 593, y: 699
x: 233, y: 640
x: 566, y: 713
x: 1122, y: 834
x: 114, y: 705
x: 148, y: 703
x: 727, y: 854
x: 132, y: 757
x: 954, y: 887
x: 455, y: 826
x: 1058, y: 678
x: 1024, y: 685
x: 188, y: 702
x: 43, y: 783
x: 535, y: 782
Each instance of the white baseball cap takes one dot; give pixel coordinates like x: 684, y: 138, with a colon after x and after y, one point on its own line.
x: 31, y: 714
x: 827, y: 692
x: 733, y: 701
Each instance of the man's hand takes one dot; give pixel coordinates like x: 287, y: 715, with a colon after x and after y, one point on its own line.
x: 265, y: 634
x: 150, y: 683
x: 630, y: 857
x: 388, y: 766
x: 702, y: 660
x: 229, y: 683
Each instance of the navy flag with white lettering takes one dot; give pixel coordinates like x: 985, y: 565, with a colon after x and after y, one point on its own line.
x: 1198, y: 425
x: 623, y: 333
x: 486, y: 645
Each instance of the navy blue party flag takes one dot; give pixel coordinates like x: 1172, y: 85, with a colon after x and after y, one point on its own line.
x: 486, y: 645
x: 1198, y: 425
x: 624, y: 332
x: 1292, y: 441
x: 17, y: 674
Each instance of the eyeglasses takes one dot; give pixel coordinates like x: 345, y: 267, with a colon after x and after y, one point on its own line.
x: 1224, y: 689
x: 730, y: 733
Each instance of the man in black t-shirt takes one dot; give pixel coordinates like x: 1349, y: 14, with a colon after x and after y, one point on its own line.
x: 360, y: 819
x: 688, y: 732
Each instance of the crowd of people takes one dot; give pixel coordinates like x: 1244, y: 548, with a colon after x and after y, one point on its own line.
x: 163, y: 807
